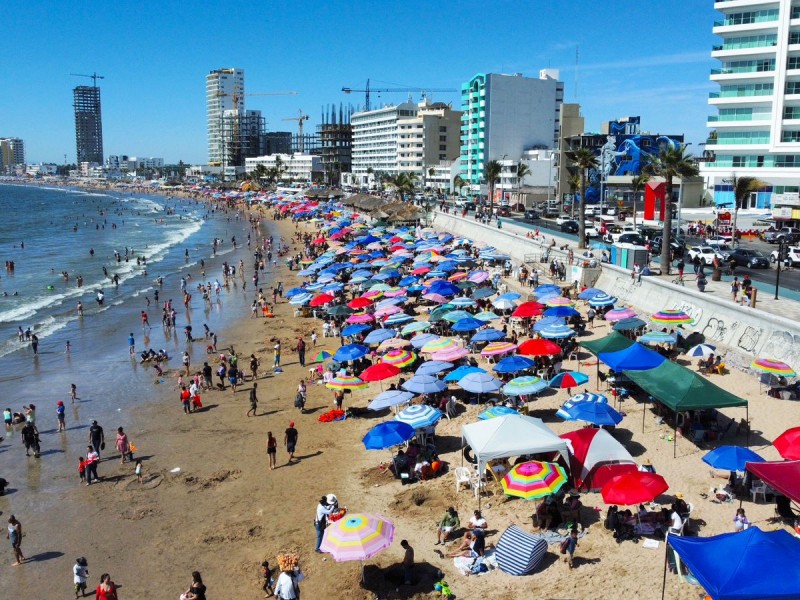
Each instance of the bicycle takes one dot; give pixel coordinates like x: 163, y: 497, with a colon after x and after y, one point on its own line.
x: 679, y: 281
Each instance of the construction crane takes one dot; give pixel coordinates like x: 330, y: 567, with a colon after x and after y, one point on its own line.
x: 300, y: 118
x: 237, y: 96
x: 369, y: 90
x: 94, y: 77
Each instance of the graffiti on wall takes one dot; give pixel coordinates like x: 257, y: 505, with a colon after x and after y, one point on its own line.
x: 784, y: 346
x: 748, y: 340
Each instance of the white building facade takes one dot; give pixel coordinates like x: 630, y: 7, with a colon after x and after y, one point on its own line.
x: 224, y: 92
x: 375, y: 137
x: 756, y: 128
x: 303, y: 168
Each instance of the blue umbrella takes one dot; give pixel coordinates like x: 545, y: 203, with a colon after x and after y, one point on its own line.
x: 483, y: 292
x: 590, y: 293
x: 376, y: 336
x: 514, y: 364
x: 444, y: 288
x: 406, y: 281
x: 731, y: 458
x: 398, y: 318
x: 547, y: 287
x: 350, y: 352
x: 595, y: 413
x: 602, y: 300
x: 388, y: 434
x: 295, y: 292
x: 461, y: 372
x: 561, y: 311
x: 496, y: 411
x: 577, y: 399
x: 432, y: 367
x: 467, y: 324
x: 556, y: 331
x: 488, y: 335
x: 524, y: 386
x: 424, y: 384
x: 390, y: 398
x: 544, y: 322
x: 480, y: 383
x: 352, y: 330
x: 301, y: 299
x: 510, y: 296
x: 419, y: 416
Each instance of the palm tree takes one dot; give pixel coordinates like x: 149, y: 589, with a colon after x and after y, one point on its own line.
x: 637, y: 185
x: 742, y: 188
x: 585, y: 160
x: 403, y: 183
x: 522, y: 171
x: 492, y: 174
x: 431, y: 173
x: 458, y: 183
x: 669, y: 163
x: 574, y: 183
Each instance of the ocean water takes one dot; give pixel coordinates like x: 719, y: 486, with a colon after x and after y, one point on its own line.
x: 58, y: 228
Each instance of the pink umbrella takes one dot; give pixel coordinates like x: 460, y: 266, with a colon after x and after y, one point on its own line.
x: 450, y: 354
x: 388, y: 310
x: 435, y: 298
x: 371, y: 294
x: 558, y: 301
x: 497, y: 348
x: 478, y: 276
x: 393, y: 343
x: 360, y: 318
x: 618, y: 314
x: 394, y: 293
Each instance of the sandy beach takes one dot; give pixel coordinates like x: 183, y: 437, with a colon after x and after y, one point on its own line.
x: 224, y: 511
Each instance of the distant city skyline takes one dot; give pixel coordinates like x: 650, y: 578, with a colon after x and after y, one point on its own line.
x: 651, y: 61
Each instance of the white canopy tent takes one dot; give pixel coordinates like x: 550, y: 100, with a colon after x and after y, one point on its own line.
x: 511, y: 435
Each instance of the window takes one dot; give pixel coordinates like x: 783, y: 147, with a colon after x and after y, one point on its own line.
x: 793, y: 62
x: 739, y: 161
x: 442, y: 129
x: 791, y: 112
x: 794, y: 37
x: 442, y: 147
x: 790, y: 136
x: 756, y: 16
x: 793, y: 87
x: 442, y: 138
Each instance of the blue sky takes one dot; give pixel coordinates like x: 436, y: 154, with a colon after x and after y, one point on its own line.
x: 651, y: 60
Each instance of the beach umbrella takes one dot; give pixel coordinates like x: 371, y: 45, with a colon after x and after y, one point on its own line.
x: 602, y: 300
x: 701, y: 351
x: 788, y: 444
x: 387, y: 434
x: 524, y: 386
x: 424, y: 384
x: 377, y: 336
x: 398, y: 319
x: 451, y: 354
x: 432, y: 367
x: 340, y: 311
x: 657, y: 337
x: 487, y: 335
x: 350, y: 352
x: 546, y: 321
x: 389, y: 398
x: 503, y: 304
x: 487, y: 316
x: 300, y: 299
x: 496, y: 411
x: 558, y: 301
x: 414, y: 327
x: 564, y: 413
x: 629, y: 324
x: 360, y: 318
x: 633, y: 487
x: 498, y: 348
x: 393, y: 343
x: 619, y: 314
x: 528, y: 309
x: 671, y: 317
x: 419, y: 340
x: 468, y: 324
x: 352, y: 330
x: 479, y: 276
x: 379, y: 372
x: 770, y: 365
x: 596, y: 413
x: 534, y: 479
x: 568, y: 380
x: 454, y: 316
x: 538, y: 347
x: 438, y: 298
x: 358, y: 303
x: 590, y: 293
x: 346, y: 382
x: 295, y: 292
x: 419, y: 416
x: 462, y: 302
x: 731, y: 458
x: 561, y: 311
x: 544, y: 296
x: 547, y: 287
x: 510, y: 296
x: 322, y: 355
x: 480, y: 383
x: 399, y: 358
x: 557, y: 331
x: 483, y: 292
x: 461, y: 372
x: 438, y: 344
x: 514, y: 364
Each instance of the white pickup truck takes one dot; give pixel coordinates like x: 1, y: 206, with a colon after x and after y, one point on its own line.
x: 613, y: 234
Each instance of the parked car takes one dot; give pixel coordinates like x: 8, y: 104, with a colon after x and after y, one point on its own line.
x: 790, y: 233
x: 503, y: 211
x: 560, y: 220
x: 461, y: 201
x: 792, y: 252
x: 569, y: 227
x: 707, y: 254
x: 718, y: 240
x: 616, y: 231
x: 752, y: 259
x: 532, y: 215
x: 631, y: 238
x: 590, y: 230
x: 678, y: 248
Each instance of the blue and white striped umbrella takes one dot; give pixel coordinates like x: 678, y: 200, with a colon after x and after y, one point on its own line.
x: 701, y: 351
x: 480, y: 383
x: 398, y: 318
x: 461, y: 302
x: 488, y: 335
x: 602, y: 300
x: 556, y: 331
x: 576, y: 399
x: 545, y: 321
x: 419, y: 416
x: 301, y: 299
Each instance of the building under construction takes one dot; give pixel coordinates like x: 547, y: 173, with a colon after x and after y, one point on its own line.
x: 88, y: 124
x: 336, y: 142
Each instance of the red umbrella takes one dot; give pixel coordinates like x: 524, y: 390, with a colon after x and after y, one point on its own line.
x: 538, y: 347
x: 633, y: 487
x: 320, y: 300
x: 319, y: 241
x: 420, y: 271
x: 528, y: 309
x: 379, y: 372
x: 359, y: 302
x: 788, y: 444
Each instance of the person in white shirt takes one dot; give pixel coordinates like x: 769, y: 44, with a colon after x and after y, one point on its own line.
x: 477, y: 521
x: 677, y: 523
x: 80, y: 572
x: 286, y: 588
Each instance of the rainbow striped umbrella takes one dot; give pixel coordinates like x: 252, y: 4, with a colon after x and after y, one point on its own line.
x: 534, y: 479
x: 439, y: 344
x: 399, y: 358
x: 346, y: 382
x: 372, y: 294
x: 392, y: 343
x: 357, y: 537
x: 497, y: 348
x: 558, y: 301
x: 619, y: 314
x: 671, y: 317
x: 771, y: 365
x: 450, y: 354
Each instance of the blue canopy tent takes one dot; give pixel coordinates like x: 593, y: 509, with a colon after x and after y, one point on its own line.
x: 633, y: 358
x: 751, y: 565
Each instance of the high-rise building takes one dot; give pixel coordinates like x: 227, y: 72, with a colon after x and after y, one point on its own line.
x: 375, y: 139
x: 224, y: 93
x: 336, y: 141
x: 504, y: 115
x: 571, y: 124
x: 12, y: 152
x: 276, y: 142
x: 756, y: 129
x: 88, y: 124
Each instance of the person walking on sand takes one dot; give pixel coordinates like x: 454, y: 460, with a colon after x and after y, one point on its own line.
x: 568, y: 547
x: 301, y: 351
x: 14, y: 535
x: 137, y: 470
x: 97, y: 438
x: 290, y: 441
x: 408, y: 562
x: 107, y: 590
x: 123, y: 446
x: 80, y: 572
x: 272, y: 449
x: 131, y: 344
x: 253, y: 400
x: 60, y: 414
x: 92, y: 458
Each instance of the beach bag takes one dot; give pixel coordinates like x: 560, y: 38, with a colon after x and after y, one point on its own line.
x: 563, y: 546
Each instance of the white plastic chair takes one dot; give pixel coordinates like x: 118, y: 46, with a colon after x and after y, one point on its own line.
x: 758, y: 487
x: 450, y: 409
x: 463, y: 476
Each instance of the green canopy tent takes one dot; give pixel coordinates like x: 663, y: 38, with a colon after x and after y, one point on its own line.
x: 682, y: 389
x: 613, y: 342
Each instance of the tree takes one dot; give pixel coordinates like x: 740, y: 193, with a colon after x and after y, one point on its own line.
x: 584, y: 160
x: 742, y: 188
x: 637, y: 185
x: 260, y: 172
x: 574, y: 183
x: 522, y: 171
x: 492, y: 174
x: 671, y: 162
x: 458, y: 183
x: 431, y: 173
x: 403, y: 183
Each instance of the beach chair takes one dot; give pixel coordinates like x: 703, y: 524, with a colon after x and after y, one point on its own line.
x: 497, y: 471
x: 758, y: 487
x: 450, y: 408
x: 463, y: 476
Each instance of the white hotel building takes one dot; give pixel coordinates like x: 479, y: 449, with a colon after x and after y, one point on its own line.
x: 298, y: 168
x: 756, y: 128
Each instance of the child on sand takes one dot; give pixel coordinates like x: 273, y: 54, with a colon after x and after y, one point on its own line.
x: 80, y: 572
x: 138, y: 470
x: 60, y: 412
x: 82, y: 469
x: 73, y: 393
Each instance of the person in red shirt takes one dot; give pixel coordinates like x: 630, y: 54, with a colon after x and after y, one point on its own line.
x: 186, y: 400
x: 82, y: 469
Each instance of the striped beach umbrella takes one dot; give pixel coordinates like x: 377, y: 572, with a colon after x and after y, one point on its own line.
x: 602, y: 300
x: 357, y: 537
x: 393, y: 343
x: 496, y: 411
x: 487, y: 316
x: 568, y: 380
x: 432, y: 367
x: 301, y: 299
x: 454, y: 316
x: 390, y: 398
x: 701, y: 351
x: 771, y: 365
x: 461, y: 302
x: 398, y: 319
x: 419, y: 416
x: 480, y: 383
x: 534, y: 479
x: 438, y: 344
x: 346, y: 382
x: 498, y: 348
x: 376, y: 336
x: 619, y: 314
x: 414, y: 327
x: 671, y: 317
x: 419, y: 340
x: 524, y: 386
x: 388, y: 311
x: 451, y: 354
x: 564, y: 413
x: 559, y: 301
x: 657, y: 337
x: 479, y: 277
x: 322, y: 355
x: 399, y: 358
x: 557, y: 331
